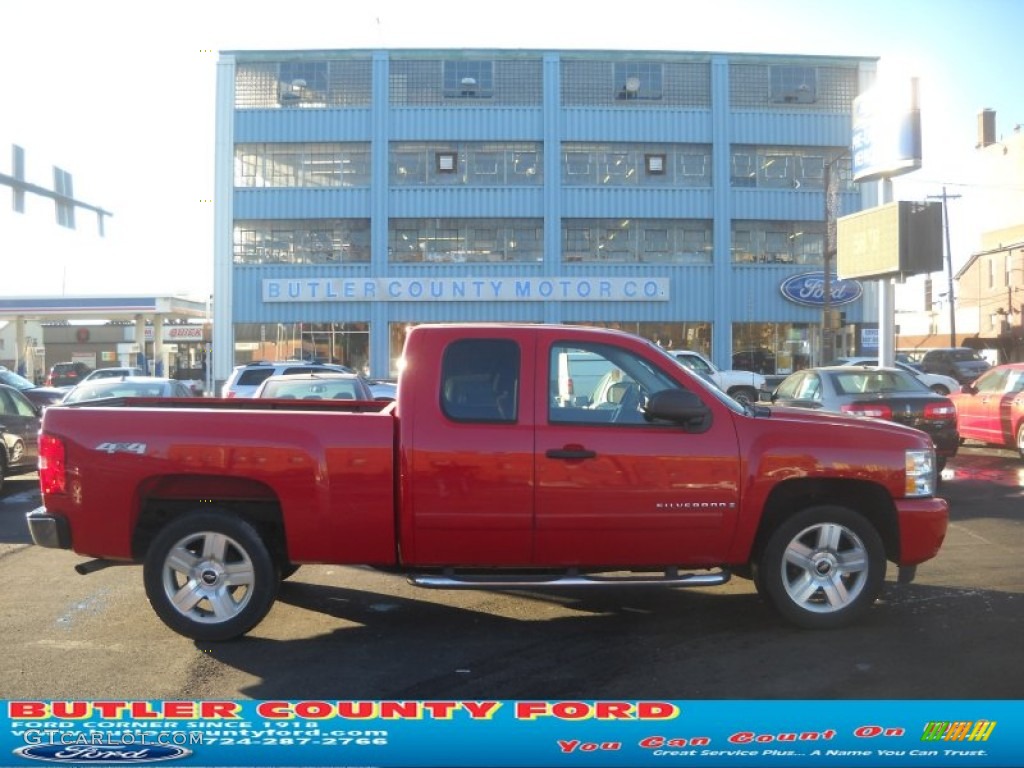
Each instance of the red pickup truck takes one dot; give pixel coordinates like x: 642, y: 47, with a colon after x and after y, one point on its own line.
x: 515, y: 456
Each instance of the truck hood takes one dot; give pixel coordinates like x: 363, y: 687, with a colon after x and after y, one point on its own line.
x: 817, y: 419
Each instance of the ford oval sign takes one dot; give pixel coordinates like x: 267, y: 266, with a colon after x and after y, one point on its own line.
x: 808, y: 288
x: 106, y: 755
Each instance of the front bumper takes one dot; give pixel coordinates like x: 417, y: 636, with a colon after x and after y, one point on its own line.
x: 922, y: 528
x: 48, y: 530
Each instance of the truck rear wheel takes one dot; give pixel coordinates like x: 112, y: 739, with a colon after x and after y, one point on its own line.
x: 822, y: 568
x: 210, y: 576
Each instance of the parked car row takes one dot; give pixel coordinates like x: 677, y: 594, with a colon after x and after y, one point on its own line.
x: 988, y: 409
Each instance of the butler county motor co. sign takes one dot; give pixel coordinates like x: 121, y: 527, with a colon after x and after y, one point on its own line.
x: 467, y: 289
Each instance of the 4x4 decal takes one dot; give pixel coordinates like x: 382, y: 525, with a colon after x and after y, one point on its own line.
x: 136, y: 448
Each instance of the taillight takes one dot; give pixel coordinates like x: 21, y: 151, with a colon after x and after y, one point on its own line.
x: 52, y: 468
x: 939, y: 411
x: 874, y: 410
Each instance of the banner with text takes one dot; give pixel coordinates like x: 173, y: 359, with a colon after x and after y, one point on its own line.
x: 414, y: 734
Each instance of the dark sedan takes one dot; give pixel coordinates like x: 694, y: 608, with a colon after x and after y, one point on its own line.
x: 19, y: 428
x: 40, y: 396
x: 881, y: 393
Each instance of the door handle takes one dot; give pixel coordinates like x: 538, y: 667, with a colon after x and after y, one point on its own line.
x: 570, y: 453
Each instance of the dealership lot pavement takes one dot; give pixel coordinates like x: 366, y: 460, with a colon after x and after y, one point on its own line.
x: 355, y: 633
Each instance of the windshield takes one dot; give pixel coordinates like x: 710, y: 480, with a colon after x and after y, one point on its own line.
x: 110, y: 388
x: 876, y: 381
x: 966, y: 355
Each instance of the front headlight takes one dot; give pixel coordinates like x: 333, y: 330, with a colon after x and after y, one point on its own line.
x: 921, y: 474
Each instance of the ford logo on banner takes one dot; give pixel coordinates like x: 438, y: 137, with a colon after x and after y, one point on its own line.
x: 83, y: 754
x: 808, y: 288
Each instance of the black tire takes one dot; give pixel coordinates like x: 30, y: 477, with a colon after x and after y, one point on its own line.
x: 744, y: 395
x: 938, y: 389
x: 823, y: 567
x: 210, y: 576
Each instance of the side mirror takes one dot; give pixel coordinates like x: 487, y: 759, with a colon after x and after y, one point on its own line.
x: 680, y: 406
x: 968, y: 389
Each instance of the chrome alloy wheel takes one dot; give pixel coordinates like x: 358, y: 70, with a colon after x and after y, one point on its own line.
x: 824, y: 568
x: 208, y: 577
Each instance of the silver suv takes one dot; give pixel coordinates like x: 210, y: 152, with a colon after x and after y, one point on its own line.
x: 962, y: 363
x: 245, y: 379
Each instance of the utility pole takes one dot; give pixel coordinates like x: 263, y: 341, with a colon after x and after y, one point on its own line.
x: 828, y: 325
x: 945, y: 198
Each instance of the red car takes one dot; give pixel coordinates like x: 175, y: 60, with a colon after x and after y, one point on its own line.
x: 991, y: 409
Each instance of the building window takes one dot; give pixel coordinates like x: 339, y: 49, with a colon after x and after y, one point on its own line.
x: 772, y: 348
x: 794, y: 85
x: 302, y: 83
x: 336, y: 83
x: 762, y: 86
x: 468, y: 79
x: 623, y: 164
x: 638, y: 80
x: 788, y: 167
x: 314, y: 241
x: 465, y: 163
x: 671, y: 83
x: 778, y: 242
x: 676, y: 241
x: 265, y: 166
x: 456, y: 241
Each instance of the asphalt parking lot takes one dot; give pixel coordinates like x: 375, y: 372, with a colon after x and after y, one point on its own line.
x: 355, y: 632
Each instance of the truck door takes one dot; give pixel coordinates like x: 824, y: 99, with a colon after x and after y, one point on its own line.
x: 468, y: 479
x: 615, y: 489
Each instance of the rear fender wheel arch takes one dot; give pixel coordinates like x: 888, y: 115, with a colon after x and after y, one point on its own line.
x: 210, y: 576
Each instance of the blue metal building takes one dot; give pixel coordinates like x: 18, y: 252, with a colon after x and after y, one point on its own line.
x: 679, y: 195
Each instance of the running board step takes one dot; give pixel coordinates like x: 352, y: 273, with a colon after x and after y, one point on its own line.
x: 671, y: 577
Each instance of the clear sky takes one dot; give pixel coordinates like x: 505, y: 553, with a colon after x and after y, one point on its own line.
x: 121, y: 94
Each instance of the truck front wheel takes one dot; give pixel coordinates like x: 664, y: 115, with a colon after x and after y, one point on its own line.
x: 823, y: 567
x: 210, y: 576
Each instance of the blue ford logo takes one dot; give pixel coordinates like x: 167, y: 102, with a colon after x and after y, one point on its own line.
x: 808, y: 288
x: 126, y: 755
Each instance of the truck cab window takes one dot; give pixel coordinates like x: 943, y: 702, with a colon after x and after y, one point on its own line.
x: 480, y: 380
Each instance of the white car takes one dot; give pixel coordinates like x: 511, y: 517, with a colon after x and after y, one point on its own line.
x: 744, y: 386
x: 129, y: 386
x: 113, y: 373
x: 245, y: 379
x: 936, y: 382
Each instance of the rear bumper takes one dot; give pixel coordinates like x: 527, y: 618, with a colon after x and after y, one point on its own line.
x: 922, y: 528
x: 946, y: 442
x: 48, y: 530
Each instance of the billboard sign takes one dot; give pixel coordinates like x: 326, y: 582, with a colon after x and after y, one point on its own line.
x: 886, y: 132
x: 901, y: 238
